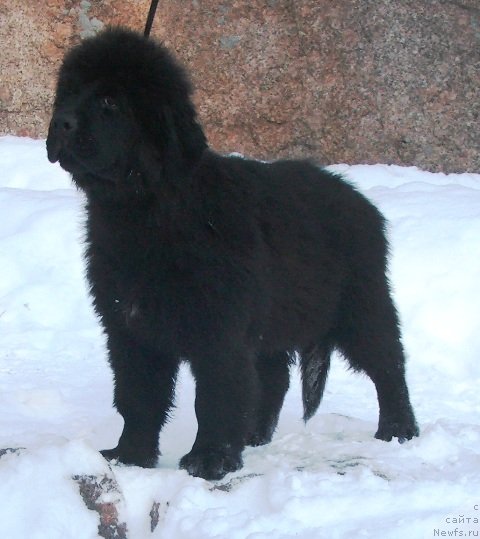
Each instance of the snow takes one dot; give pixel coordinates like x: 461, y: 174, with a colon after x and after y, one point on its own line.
x: 328, y: 479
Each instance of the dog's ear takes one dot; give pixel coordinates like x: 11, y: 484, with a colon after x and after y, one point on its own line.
x: 173, y: 138
x: 182, y: 140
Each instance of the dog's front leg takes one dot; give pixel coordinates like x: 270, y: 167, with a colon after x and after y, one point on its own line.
x: 144, y: 383
x: 226, y: 398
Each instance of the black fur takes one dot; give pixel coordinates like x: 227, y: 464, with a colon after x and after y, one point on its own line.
x: 231, y: 264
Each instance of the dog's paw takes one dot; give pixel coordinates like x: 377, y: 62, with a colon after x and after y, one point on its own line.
x: 257, y: 439
x: 211, y: 464
x: 403, y: 430
x: 130, y: 458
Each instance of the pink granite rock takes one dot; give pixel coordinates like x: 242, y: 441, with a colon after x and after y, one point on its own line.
x: 359, y: 81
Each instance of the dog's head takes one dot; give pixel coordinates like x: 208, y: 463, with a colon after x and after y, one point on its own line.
x: 123, y: 106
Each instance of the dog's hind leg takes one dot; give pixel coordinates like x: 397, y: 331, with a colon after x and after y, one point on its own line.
x: 274, y: 377
x: 369, y: 338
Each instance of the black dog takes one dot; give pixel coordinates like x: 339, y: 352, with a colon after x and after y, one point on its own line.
x: 232, y: 264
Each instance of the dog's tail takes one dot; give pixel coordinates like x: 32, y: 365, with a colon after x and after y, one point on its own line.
x: 314, y: 366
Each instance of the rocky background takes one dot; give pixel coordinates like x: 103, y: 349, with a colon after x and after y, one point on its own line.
x: 355, y: 81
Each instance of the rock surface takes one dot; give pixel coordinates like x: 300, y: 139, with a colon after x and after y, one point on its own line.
x: 93, y: 490
x: 360, y: 81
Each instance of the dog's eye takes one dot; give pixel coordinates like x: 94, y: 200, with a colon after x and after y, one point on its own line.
x: 108, y: 103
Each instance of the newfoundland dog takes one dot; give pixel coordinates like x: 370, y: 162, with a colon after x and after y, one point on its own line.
x: 234, y: 265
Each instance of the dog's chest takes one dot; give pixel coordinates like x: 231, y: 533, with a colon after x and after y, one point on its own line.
x: 144, y: 280
x: 170, y: 285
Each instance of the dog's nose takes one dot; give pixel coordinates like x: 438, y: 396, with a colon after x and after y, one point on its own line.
x: 62, y: 127
x: 65, y: 123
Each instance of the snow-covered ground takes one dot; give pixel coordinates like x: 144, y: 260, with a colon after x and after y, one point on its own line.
x: 328, y: 479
